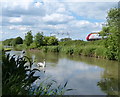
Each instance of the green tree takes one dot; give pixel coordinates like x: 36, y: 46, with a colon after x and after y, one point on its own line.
x: 39, y: 39
x: 53, y: 41
x: 16, y: 41
x: 19, y: 40
x: 28, y: 38
x: 112, y: 30
x: 46, y: 39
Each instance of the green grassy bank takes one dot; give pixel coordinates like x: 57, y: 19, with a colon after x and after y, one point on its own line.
x: 77, y: 47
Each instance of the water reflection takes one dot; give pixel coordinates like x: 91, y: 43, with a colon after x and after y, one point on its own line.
x: 40, y: 56
x: 109, y: 81
x: 109, y: 86
x: 89, y: 76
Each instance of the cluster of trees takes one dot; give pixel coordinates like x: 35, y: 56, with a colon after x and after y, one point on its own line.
x: 112, y: 30
x: 32, y: 41
x: 39, y: 40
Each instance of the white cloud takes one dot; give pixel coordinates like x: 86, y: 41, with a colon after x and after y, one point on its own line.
x: 61, y: 10
x: 20, y: 28
x: 87, y: 10
x: 38, y: 4
x: 15, y: 19
x: 84, y: 24
x: 57, y: 18
x: 12, y: 3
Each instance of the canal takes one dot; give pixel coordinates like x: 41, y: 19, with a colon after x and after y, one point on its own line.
x: 86, y: 75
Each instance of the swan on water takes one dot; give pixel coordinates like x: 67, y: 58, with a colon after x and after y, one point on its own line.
x: 23, y: 51
x: 40, y: 64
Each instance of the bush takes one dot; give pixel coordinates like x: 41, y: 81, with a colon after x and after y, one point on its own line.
x: 44, y: 48
x: 78, y: 50
x: 70, y: 51
x: 100, y: 52
x: 89, y: 51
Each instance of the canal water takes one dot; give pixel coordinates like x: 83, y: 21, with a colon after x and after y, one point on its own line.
x: 86, y: 75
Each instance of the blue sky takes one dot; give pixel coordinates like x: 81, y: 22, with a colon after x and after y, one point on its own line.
x: 53, y: 16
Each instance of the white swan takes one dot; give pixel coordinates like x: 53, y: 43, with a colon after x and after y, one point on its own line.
x: 23, y: 51
x: 40, y: 64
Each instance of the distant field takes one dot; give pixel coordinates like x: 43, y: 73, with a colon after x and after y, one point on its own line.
x: 0, y: 45
x: 6, y: 49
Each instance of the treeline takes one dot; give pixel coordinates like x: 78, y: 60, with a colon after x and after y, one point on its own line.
x: 13, y: 41
x: 39, y: 40
x: 31, y: 41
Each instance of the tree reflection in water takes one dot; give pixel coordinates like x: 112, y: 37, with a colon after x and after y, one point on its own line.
x: 109, y: 86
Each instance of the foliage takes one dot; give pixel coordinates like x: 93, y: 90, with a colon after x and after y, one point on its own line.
x: 88, y: 49
x: 39, y: 39
x: 52, y: 41
x: 20, y: 47
x: 28, y: 38
x: 16, y: 41
x: 33, y: 45
x: 13, y: 41
x: 72, y: 43
x: 19, y: 40
x: 46, y: 39
x: 18, y: 78
x: 8, y: 42
x: 1, y: 46
x: 112, y: 31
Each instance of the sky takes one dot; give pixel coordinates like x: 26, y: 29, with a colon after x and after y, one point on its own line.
x: 63, y: 18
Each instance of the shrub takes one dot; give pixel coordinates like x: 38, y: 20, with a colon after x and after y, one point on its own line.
x: 100, y: 52
x: 70, y: 51
x: 78, y: 50
x: 89, y: 51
